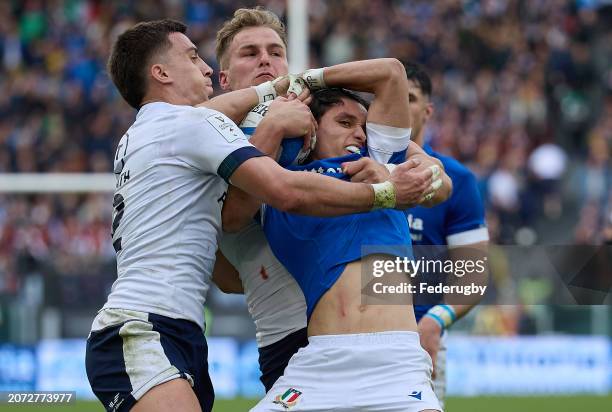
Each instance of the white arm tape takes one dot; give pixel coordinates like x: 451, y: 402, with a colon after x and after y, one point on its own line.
x: 314, y: 78
x: 265, y: 91
x: 384, y: 195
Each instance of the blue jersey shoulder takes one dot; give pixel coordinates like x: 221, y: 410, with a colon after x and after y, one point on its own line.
x: 463, y: 212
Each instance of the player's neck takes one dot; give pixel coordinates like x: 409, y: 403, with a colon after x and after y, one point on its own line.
x: 418, y: 139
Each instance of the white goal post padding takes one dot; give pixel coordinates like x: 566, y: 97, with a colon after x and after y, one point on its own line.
x: 297, y: 33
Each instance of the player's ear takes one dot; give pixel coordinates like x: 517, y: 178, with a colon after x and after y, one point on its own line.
x: 159, y: 73
x: 224, y: 79
x: 429, y: 110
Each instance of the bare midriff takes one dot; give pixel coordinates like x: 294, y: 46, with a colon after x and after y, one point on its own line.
x: 344, y: 310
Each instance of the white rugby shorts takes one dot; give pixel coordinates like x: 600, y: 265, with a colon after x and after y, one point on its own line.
x: 385, y: 371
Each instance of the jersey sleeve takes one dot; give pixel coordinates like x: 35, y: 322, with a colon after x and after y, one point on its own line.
x: 465, y: 223
x: 214, y: 144
x: 387, y: 144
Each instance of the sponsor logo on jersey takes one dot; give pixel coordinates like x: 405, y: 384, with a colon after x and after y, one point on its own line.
x: 415, y: 395
x: 416, y: 228
x: 415, y: 223
x: 225, y: 127
x: 288, y: 399
x: 261, y: 109
x: 322, y: 170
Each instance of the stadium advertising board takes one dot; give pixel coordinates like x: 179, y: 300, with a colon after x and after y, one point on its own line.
x: 476, y: 366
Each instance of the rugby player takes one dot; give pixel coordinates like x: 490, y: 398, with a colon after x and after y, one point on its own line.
x: 458, y: 223
x: 146, y: 350
x: 370, y: 354
x: 251, y: 49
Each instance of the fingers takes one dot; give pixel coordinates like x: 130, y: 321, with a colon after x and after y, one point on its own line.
x: 352, y: 168
x: 297, y: 85
x: 281, y: 84
x: 364, y: 176
x: 415, y: 185
x: 314, y: 123
x: 365, y: 170
x: 309, y: 143
x: 435, y: 184
x: 435, y: 171
x: 307, y: 136
x: 409, y: 164
x: 295, y: 118
x: 421, y: 179
x: 431, y: 191
x: 313, y: 142
x: 310, y: 134
x: 307, y: 100
x: 304, y: 96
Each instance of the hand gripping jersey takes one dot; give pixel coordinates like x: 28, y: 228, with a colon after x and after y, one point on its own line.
x: 458, y: 221
x: 316, y: 250
x: 171, y: 166
x: 290, y: 150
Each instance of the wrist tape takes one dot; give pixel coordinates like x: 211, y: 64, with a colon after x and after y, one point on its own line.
x: 443, y: 314
x: 314, y: 79
x: 384, y: 195
x: 265, y: 91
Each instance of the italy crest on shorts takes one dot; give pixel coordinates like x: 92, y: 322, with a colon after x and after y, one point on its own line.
x: 289, y: 398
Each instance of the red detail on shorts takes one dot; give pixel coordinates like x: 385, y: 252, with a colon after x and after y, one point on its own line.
x: 263, y: 273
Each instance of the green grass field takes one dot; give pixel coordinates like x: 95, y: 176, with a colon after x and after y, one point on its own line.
x: 483, y: 404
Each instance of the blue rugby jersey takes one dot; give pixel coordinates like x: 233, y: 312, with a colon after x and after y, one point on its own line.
x: 460, y: 220
x: 316, y: 250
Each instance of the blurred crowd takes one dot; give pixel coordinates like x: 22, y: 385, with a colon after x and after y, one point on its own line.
x: 522, y: 93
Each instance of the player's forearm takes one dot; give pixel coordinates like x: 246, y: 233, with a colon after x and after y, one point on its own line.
x: 318, y: 195
x: 238, y: 210
x: 234, y: 105
x: 240, y: 207
x: 364, y: 75
x: 314, y: 194
x: 302, y: 193
x: 267, y: 137
x: 225, y: 275
x: 386, y: 78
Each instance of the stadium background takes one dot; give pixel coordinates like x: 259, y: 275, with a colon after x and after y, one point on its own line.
x: 523, y: 96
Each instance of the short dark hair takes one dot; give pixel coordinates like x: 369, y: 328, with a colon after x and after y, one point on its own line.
x: 416, y: 73
x: 324, y: 99
x: 132, y: 53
